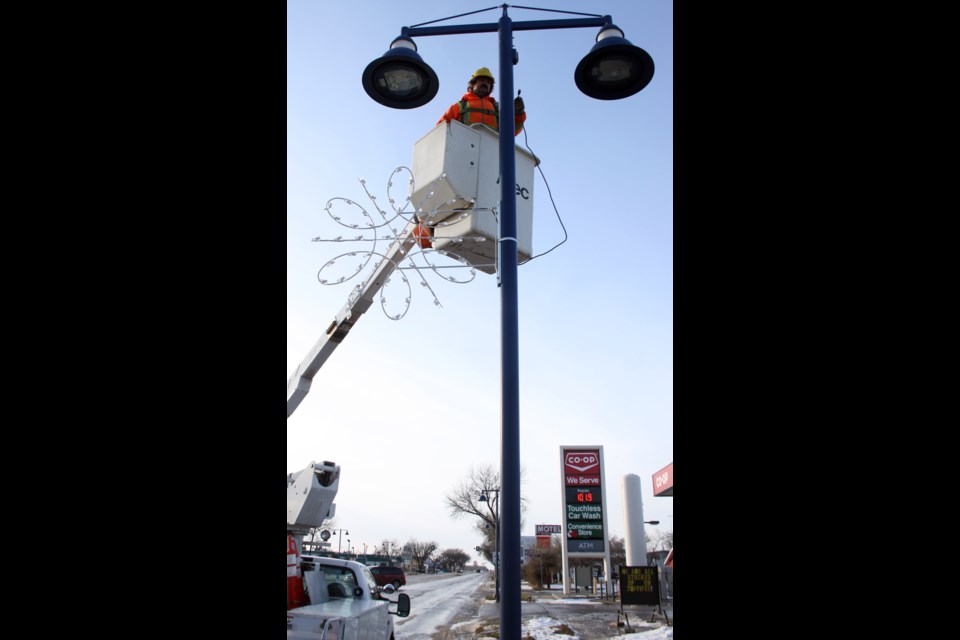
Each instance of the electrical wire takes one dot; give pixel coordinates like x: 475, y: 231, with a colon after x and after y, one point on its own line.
x: 526, y: 143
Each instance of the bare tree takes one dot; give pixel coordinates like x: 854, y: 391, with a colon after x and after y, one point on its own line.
x: 420, y: 552
x: 618, y: 553
x: 664, y: 540
x: 544, y: 564
x: 464, y: 500
x: 389, y: 547
x: 453, y: 559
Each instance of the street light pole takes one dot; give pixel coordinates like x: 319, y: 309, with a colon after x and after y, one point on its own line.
x: 340, y: 533
x: 509, y: 574
x: 613, y: 69
x: 496, y: 540
x: 496, y: 532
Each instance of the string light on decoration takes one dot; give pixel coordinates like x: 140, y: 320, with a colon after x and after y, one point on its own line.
x: 379, y: 227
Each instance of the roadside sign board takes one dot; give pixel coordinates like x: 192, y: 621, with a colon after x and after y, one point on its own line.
x: 663, y: 481
x: 547, y: 529
x: 639, y: 585
x: 544, y: 531
x: 583, y: 500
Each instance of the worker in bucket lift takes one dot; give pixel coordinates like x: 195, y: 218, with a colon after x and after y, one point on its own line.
x: 476, y: 106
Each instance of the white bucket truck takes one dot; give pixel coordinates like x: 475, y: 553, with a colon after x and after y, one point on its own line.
x: 329, y: 598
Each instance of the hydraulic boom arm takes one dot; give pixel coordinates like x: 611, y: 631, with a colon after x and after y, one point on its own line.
x: 358, y: 302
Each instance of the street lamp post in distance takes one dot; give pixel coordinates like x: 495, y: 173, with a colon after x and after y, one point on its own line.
x: 340, y: 533
x: 400, y: 79
x: 496, y: 539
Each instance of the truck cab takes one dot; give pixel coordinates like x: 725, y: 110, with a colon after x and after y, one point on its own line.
x: 345, y: 603
x: 342, y: 578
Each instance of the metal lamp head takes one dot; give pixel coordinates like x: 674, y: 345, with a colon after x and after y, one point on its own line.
x: 400, y: 79
x: 614, y: 68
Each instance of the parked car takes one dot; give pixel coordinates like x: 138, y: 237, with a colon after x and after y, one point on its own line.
x: 389, y: 575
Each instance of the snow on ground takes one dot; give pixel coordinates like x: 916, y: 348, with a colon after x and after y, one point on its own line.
x: 543, y: 628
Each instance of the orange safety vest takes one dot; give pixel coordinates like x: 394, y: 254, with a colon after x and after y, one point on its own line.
x: 474, y: 111
x: 484, y: 111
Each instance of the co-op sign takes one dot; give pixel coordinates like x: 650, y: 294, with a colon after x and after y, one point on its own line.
x: 583, y: 504
x: 663, y: 481
x: 582, y: 468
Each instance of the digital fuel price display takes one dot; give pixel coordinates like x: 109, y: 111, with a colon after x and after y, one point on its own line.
x: 577, y: 496
x: 584, y: 514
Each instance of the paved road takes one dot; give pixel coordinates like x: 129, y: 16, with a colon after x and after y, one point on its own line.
x: 475, y: 615
x: 434, y: 601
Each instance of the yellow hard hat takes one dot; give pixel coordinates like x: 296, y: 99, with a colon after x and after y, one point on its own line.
x: 482, y: 71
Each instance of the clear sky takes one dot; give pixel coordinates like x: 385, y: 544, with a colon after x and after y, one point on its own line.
x: 406, y: 407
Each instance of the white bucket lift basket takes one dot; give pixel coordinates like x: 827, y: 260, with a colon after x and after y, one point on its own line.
x: 456, y: 186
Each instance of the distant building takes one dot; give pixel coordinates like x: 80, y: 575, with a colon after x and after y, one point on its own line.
x: 663, y: 559
x: 527, y: 545
x: 657, y: 557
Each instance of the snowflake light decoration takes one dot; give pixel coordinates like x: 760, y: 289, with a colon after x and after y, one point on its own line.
x: 407, y: 255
